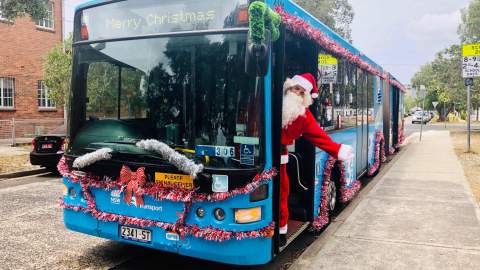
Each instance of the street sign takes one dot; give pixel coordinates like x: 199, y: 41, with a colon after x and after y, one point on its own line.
x: 469, y: 82
x: 434, y: 103
x: 471, y: 69
x: 471, y: 60
x: 328, y: 68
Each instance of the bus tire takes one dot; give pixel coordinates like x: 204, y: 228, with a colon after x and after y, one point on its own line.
x: 334, y: 195
x: 332, y: 198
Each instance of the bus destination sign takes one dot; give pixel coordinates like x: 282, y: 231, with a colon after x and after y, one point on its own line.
x: 145, y: 17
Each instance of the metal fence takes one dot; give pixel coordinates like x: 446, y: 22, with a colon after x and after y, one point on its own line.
x: 13, y: 131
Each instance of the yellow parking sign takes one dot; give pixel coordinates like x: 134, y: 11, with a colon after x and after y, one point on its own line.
x: 327, y: 59
x: 471, y: 50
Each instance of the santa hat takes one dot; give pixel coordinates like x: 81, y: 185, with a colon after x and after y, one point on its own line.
x: 307, y: 81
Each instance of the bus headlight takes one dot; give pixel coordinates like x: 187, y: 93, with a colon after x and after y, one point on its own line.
x: 200, y: 212
x: 219, y: 214
x: 248, y: 215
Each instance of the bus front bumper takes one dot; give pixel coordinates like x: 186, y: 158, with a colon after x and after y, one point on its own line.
x: 251, y: 251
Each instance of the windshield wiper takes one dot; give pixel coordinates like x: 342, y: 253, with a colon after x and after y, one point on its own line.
x: 129, y: 142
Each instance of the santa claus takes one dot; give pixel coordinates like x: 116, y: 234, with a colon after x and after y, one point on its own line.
x: 297, y: 120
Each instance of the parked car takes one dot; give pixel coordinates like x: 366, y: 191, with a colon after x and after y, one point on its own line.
x: 420, y: 117
x: 48, y: 149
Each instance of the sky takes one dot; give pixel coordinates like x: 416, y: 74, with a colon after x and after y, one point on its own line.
x: 403, y: 35
x: 69, y: 10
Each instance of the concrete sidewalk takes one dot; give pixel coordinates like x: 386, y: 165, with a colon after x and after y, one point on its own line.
x: 420, y: 215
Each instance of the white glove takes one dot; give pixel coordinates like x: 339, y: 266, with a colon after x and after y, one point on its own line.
x: 345, y: 153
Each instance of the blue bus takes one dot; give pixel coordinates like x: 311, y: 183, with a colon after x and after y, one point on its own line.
x: 174, y: 126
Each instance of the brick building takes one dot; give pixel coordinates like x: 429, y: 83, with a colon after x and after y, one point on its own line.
x: 23, y: 97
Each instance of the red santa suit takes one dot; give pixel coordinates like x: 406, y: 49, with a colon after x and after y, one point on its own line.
x: 297, y: 120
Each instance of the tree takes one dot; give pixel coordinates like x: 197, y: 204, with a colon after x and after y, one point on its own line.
x: 469, y: 32
x: 443, y: 80
x: 469, y: 29
x: 57, y: 68
x: 336, y: 14
x: 11, y: 9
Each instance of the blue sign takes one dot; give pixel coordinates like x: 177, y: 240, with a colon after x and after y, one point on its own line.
x: 214, y: 151
x: 247, y: 154
x: 205, y: 150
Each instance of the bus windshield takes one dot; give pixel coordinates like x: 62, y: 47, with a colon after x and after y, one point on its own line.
x: 190, y: 92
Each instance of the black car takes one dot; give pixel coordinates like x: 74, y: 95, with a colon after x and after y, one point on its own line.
x: 48, y: 149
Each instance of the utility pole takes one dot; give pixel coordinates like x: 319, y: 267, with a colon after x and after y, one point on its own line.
x: 470, y: 70
x: 469, y: 114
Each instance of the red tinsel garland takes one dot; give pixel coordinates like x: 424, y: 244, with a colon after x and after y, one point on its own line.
x: 324, y: 216
x: 401, y: 135
x: 207, y: 233
x: 303, y: 28
x: 379, y: 150
x: 346, y: 193
x: 158, y: 192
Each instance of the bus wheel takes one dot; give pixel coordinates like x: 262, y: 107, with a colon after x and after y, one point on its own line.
x: 332, y: 197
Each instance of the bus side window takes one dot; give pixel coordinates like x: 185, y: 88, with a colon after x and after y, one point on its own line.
x: 350, y: 96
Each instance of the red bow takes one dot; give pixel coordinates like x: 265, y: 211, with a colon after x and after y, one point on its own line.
x: 133, y: 181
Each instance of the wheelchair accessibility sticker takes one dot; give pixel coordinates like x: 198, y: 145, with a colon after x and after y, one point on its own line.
x: 247, y: 154
x: 219, y: 183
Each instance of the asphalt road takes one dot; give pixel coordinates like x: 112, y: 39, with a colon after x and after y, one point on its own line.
x: 34, y: 237
x: 411, y: 128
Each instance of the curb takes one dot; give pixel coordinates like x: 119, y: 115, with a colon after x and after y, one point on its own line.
x: 22, y: 173
x: 17, y: 144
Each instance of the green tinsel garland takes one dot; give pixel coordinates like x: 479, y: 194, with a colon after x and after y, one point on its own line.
x: 262, y: 17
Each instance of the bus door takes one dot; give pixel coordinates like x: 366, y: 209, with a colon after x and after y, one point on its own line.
x: 362, y: 123
x: 300, y: 57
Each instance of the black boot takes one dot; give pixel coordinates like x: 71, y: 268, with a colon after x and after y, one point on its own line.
x: 283, y: 239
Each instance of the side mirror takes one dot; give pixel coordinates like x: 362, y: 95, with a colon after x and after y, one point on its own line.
x: 257, y: 56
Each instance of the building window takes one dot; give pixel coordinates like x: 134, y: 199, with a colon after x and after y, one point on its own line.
x: 7, y: 92
x: 48, y: 22
x: 44, y: 101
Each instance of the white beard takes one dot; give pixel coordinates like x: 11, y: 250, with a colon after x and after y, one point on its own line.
x: 294, y: 106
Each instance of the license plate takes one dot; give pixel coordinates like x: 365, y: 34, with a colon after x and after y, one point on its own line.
x: 174, y: 180
x: 136, y: 234
x: 47, y: 146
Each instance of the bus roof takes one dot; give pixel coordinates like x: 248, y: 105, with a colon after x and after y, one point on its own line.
x: 88, y: 4
x: 292, y: 8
